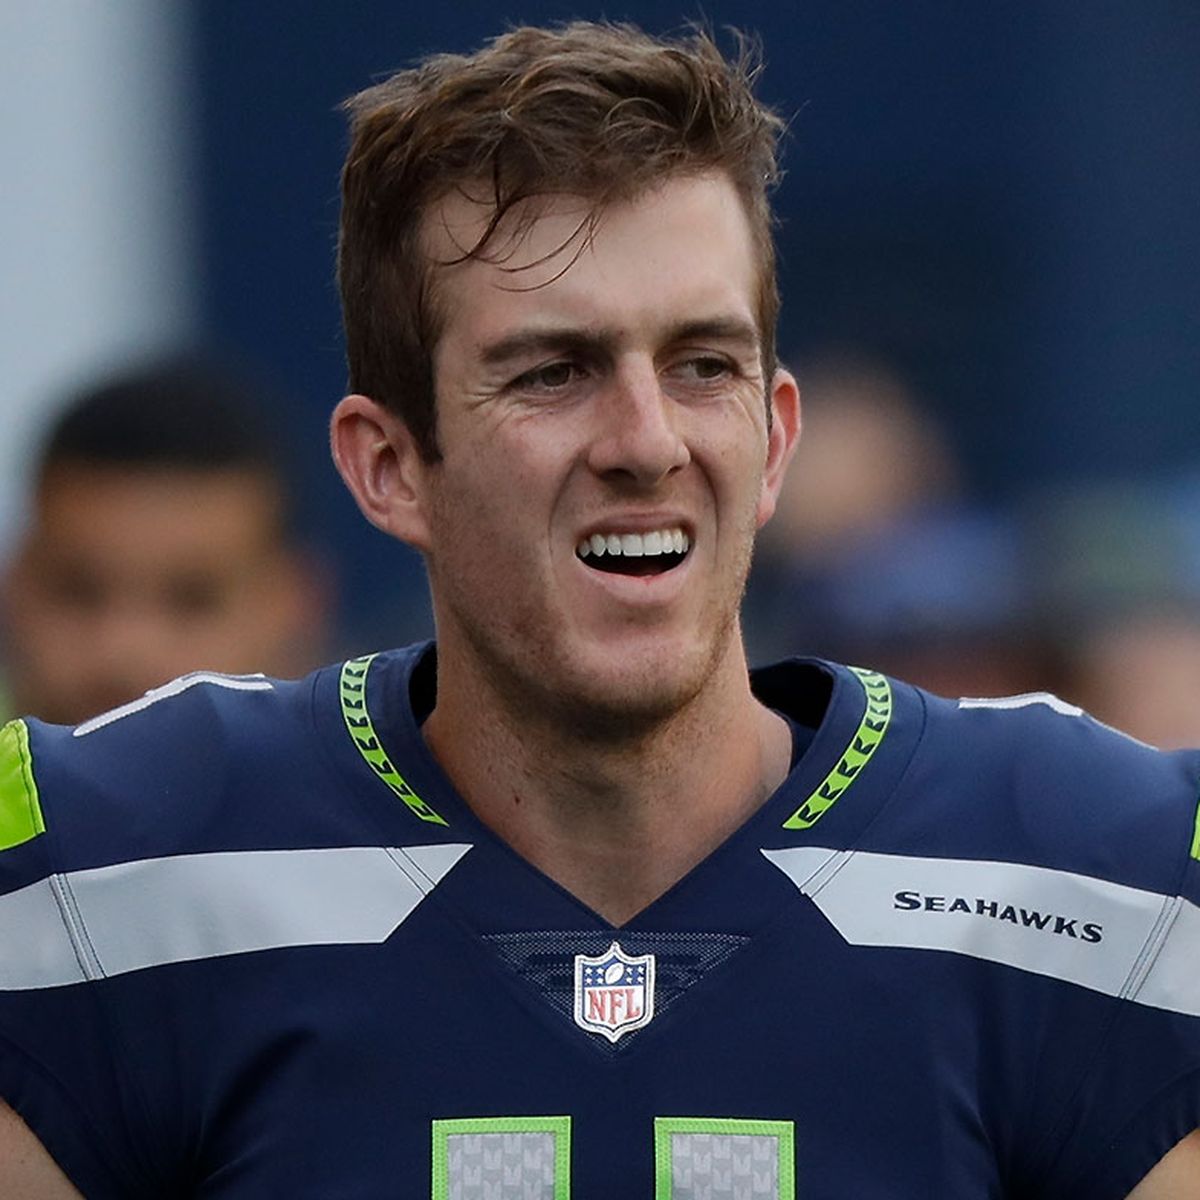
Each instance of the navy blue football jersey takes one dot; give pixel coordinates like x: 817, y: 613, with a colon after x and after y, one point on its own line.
x: 252, y: 944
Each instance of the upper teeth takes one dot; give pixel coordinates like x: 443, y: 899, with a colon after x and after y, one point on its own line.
x: 635, y: 545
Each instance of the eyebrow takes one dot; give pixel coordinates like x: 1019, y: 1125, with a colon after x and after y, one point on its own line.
x: 719, y: 329
x: 553, y: 339
x: 589, y: 341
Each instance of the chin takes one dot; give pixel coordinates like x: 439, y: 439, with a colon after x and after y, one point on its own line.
x: 613, y: 701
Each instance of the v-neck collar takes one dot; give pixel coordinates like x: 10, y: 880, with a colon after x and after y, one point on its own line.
x: 863, y: 739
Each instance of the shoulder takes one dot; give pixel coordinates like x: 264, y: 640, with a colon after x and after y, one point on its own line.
x: 1057, y: 788
x: 158, y: 776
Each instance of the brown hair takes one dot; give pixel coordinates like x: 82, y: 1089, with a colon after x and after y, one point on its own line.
x: 604, y: 111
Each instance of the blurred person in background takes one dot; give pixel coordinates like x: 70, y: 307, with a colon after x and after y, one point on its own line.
x: 159, y: 541
x: 1140, y: 672
x: 874, y: 556
x: 871, y: 455
x: 1117, y: 567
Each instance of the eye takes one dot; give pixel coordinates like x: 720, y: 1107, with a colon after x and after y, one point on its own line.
x: 709, y: 367
x: 703, y: 368
x: 549, y: 377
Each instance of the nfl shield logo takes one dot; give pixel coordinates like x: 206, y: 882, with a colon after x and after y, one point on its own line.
x: 614, y: 992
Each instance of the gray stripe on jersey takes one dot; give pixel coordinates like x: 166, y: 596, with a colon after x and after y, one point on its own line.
x: 234, y: 683
x: 1117, y: 940
x: 1173, y: 980
x: 164, y: 910
x: 35, y: 951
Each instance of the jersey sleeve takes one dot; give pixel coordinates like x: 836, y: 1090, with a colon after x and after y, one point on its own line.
x: 63, y: 1065
x: 1141, y: 1095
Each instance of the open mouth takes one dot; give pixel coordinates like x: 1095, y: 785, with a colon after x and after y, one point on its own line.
x: 650, y: 553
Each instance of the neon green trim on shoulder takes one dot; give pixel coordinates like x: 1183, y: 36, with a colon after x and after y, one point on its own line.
x: 352, y: 687
x: 1196, y: 835
x: 863, y: 744
x: 20, y: 810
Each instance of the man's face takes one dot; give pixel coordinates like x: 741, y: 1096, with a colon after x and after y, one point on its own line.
x: 594, y: 395
x: 130, y: 577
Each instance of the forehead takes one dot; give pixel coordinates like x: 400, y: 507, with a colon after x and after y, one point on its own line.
x: 680, y: 251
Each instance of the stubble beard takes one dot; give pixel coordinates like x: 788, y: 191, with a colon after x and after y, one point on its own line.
x: 607, y: 710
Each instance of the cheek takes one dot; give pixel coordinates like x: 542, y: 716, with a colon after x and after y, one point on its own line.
x: 61, y: 660
x: 742, y: 495
x: 475, y: 550
x: 758, y: 492
x: 498, y: 498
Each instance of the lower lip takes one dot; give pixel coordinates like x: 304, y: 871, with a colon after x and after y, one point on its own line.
x: 657, y: 587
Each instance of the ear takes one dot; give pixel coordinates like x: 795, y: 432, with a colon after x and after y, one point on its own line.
x: 381, y: 464
x: 781, y: 441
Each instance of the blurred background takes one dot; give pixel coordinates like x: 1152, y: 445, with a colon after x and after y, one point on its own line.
x: 990, y: 263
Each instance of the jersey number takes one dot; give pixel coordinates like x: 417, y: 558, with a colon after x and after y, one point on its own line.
x: 529, y: 1158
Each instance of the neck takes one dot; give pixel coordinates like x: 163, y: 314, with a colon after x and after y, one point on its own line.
x: 615, y: 818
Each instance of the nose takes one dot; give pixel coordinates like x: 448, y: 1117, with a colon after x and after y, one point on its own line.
x: 637, y: 437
